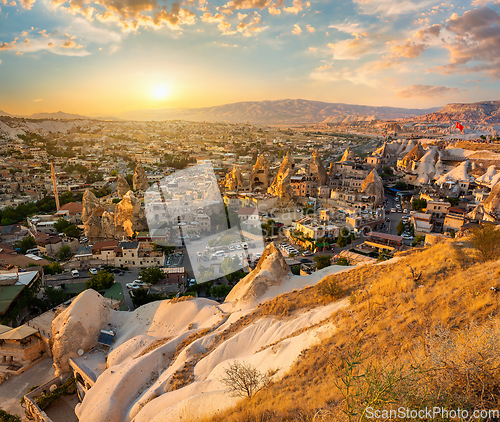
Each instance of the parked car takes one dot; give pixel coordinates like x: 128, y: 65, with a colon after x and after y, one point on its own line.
x: 405, y: 211
x: 307, y: 253
x: 133, y: 286
x: 75, y: 274
x: 93, y: 271
x: 393, y: 210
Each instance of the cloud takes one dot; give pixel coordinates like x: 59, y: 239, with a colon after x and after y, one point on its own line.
x: 391, y: 7
x: 70, y: 43
x: 409, y: 50
x: 477, y: 40
x: 7, y: 46
x: 38, y: 100
x: 311, y: 28
x: 252, y: 27
x: 27, y: 4
x: 296, y: 30
x: 426, y: 33
x: 352, y: 49
x: 298, y: 5
x: 426, y: 91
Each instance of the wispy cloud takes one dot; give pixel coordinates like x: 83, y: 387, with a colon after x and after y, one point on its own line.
x: 425, y: 91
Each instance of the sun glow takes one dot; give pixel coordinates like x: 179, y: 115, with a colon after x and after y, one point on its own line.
x: 161, y: 92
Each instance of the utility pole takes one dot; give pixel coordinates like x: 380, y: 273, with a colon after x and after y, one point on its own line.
x: 54, y: 184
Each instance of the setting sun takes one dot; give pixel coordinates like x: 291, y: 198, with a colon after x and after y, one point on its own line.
x: 160, y: 92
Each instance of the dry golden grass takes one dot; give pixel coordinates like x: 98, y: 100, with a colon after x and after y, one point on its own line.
x: 474, y: 146
x: 390, y: 311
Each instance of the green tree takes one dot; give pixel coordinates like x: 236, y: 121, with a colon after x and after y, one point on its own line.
x: 103, y: 280
x: 152, y: 275
x: 401, y: 185
x: 341, y: 240
x: 141, y: 297
x: 343, y: 261
x: 230, y: 265
x: 53, y: 268
x: 206, y: 274
x: 419, y: 204
x: 322, y: 261
x: 114, y: 173
x: 486, y: 239
x: 26, y: 243
x: 6, y: 221
x: 400, y: 227
x: 72, y: 231
x: 61, y: 224
x: 453, y: 201
x: 220, y: 292
x: 64, y: 253
x: 8, y: 417
x: 54, y: 296
x: 418, y: 240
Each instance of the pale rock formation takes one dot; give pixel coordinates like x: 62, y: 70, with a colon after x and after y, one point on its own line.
x: 459, y: 173
x: 271, y: 270
x: 259, y: 178
x: 373, y: 186
x: 414, y: 155
x: 488, y: 176
x: 129, y: 216
x: 101, y: 223
x: 317, y: 168
x: 479, y: 213
x: 281, y: 186
x: 140, y: 180
x: 90, y: 204
x: 492, y: 202
x: 234, y: 180
x: 122, y: 186
x: 348, y: 155
x: 78, y: 327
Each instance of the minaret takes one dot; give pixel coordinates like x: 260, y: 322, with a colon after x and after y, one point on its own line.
x: 54, y: 183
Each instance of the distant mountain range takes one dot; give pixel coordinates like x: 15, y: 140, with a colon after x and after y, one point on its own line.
x: 482, y: 112
x: 279, y: 112
x: 302, y: 111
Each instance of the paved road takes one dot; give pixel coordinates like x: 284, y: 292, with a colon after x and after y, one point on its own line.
x: 128, y: 277
x: 12, y: 390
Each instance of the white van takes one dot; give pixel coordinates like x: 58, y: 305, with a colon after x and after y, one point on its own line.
x: 219, y: 253
x: 75, y: 274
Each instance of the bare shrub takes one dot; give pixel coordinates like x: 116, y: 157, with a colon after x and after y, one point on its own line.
x: 243, y: 379
x: 466, y: 363
x: 486, y: 240
x: 331, y: 287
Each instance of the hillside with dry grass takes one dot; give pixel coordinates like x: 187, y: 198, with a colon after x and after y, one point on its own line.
x: 420, y: 330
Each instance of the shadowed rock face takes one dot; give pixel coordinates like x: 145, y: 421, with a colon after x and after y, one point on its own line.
x: 281, y: 186
x: 492, y: 202
x: 260, y: 173
x: 140, y: 180
x: 271, y: 270
x: 316, y: 167
x: 101, y: 223
x: 373, y: 186
x: 122, y: 186
x: 234, y: 179
x: 348, y: 155
x: 78, y: 327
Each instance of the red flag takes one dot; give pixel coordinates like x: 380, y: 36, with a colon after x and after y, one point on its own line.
x: 459, y: 126
x: 383, y: 136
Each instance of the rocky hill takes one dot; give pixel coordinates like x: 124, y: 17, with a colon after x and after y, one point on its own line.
x: 279, y: 112
x: 484, y: 112
x: 169, y: 358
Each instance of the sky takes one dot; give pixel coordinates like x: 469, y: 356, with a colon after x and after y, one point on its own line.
x: 106, y: 57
